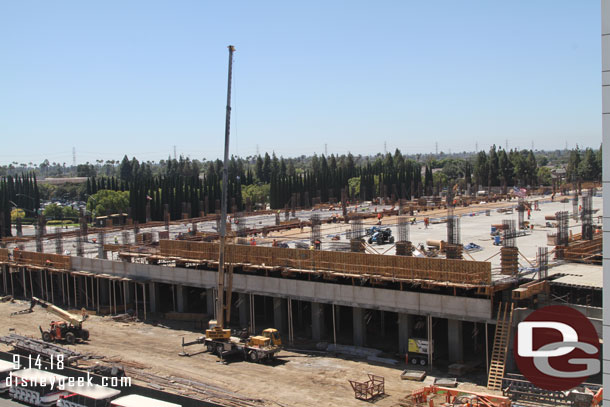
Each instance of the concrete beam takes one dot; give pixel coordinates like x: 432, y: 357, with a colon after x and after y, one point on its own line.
x: 416, y: 303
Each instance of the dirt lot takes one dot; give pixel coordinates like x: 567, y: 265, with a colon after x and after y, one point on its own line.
x: 298, y: 380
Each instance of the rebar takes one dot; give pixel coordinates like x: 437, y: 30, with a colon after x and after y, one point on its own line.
x: 587, y: 215
x: 403, y: 229
x: 509, y: 233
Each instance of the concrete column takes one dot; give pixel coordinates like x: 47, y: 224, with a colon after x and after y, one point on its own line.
x: 210, y: 301
x: 359, y: 327
x: 456, y: 340
x: 317, y: 321
x: 243, y: 301
x: 153, y: 296
x: 404, y: 332
x: 181, y: 299
x: 280, y: 314
x: 128, y: 296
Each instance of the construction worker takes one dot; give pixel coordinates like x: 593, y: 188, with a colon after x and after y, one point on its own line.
x: 426, y: 222
x: 274, y: 244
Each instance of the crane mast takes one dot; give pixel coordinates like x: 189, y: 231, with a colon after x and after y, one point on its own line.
x: 220, y: 306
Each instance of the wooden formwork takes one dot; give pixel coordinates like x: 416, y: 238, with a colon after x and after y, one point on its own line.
x: 34, y: 259
x: 350, y: 263
x: 4, y: 255
x: 588, y: 251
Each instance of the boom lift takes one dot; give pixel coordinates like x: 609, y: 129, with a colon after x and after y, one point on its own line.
x: 217, y: 338
x: 69, y: 330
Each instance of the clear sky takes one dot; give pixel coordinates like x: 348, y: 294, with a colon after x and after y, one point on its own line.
x: 117, y: 77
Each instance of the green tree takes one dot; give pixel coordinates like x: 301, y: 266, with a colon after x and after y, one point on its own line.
x: 588, y: 169
x: 544, y: 176
x: 125, y: 169
x: 17, y: 213
x: 53, y: 211
x: 106, y: 202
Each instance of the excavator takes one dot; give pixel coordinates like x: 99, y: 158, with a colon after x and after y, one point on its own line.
x: 68, y: 330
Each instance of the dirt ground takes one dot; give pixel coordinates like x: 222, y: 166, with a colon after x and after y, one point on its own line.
x: 298, y: 380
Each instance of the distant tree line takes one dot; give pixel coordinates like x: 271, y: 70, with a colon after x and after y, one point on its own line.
x: 17, y: 192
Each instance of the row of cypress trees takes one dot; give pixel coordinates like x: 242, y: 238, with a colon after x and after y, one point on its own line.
x: 20, y: 191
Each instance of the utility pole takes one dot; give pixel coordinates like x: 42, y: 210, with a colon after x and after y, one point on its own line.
x: 174, y: 151
x: 220, y: 307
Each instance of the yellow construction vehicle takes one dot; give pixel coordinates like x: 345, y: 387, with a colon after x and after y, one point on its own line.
x: 69, y: 330
x: 217, y: 338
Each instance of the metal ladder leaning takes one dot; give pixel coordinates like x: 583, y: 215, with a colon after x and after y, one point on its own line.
x: 500, y: 347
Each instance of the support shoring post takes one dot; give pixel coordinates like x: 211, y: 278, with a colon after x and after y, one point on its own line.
x: 86, y: 291
x: 75, y: 294
x: 42, y: 290
x: 136, y: 289
x: 114, y: 295
x: 52, y: 289
x: 63, y: 290
x: 31, y: 284
x: 486, y: 349
x: 12, y: 284
x: 334, y: 327
x: 124, y: 297
x: 430, y: 350
x: 97, y: 279
x: 144, y: 291
x: 68, y: 288
x: 25, y: 290
x: 291, y: 327
x: 252, y: 315
x: 174, y: 297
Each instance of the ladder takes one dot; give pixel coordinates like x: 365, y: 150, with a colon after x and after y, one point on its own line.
x: 500, y: 348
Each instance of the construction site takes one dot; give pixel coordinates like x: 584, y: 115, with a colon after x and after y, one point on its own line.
x: 411, y: 294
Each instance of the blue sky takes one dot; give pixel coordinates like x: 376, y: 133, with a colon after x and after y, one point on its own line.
x: 137, y: 77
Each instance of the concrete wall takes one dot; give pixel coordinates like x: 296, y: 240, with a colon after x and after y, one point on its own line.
x: 444, y: 306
